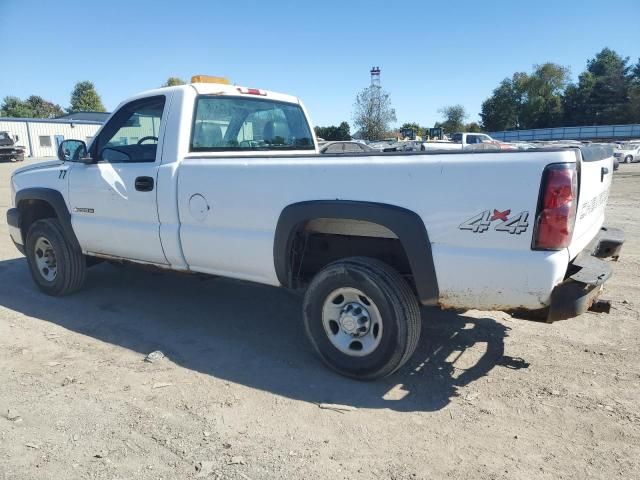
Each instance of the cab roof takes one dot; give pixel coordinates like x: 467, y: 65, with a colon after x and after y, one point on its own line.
x: 216, y: 89
x: 237, y: 90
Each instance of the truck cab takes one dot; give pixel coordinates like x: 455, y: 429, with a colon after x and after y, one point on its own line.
x: 466, y: 139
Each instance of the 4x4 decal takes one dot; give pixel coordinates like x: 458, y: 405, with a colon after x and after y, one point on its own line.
x: 483, y: 221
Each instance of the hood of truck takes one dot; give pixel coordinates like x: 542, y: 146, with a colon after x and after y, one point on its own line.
x: 37, y: 166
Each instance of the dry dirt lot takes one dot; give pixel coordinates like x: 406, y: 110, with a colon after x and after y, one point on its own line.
x: 485, y: 397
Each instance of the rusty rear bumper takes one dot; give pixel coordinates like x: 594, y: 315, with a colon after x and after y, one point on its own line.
x: 586, y: 277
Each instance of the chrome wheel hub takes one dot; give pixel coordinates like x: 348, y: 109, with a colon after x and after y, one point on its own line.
x: 45, y: 258
x: 355, y: 320
x: 352, y: 322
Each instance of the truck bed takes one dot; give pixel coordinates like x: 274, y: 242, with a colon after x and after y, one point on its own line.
x: 247, y: 194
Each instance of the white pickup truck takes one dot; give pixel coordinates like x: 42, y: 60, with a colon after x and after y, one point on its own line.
x: 460, y: 141
x: 225, y: 180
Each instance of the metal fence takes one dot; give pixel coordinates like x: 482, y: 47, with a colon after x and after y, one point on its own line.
x: 599, y: 132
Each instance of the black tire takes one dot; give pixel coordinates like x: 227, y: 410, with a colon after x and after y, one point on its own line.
x: 395, y: 301
x: 628, y: 159
x: 70, y: 262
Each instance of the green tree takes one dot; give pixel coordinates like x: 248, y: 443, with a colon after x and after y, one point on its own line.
x: 84, y: 98
x: 473, y: 127
x: 42, y: 108
x: 173, y: 81
x: 501, y: 111
x: 576, y: 102
x: 15, y: 107
x: 32, y: 107
x: 373, y: 113
x: 454, y: 117
x: 604, y: 93
x: 341, y: 132
x: 527, y: 100
x: 344, y: 131
x: 543, y: 91
x: 634, y: 94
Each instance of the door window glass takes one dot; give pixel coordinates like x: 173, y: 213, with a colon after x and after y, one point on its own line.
x: 132, y: 134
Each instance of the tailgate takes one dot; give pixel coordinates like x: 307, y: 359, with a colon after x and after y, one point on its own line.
x: 596, y: 172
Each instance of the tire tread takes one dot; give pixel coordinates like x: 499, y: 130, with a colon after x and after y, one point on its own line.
x: 75, y: 259
x: 403, y: 301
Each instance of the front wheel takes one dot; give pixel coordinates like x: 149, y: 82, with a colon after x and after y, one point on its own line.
x: 628, y: 159
x: 362, y: 318
x: 56, y: 266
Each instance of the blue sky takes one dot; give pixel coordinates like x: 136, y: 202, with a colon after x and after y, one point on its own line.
x: 431, y: 53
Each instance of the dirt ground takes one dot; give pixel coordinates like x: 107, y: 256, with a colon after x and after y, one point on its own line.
x: 237, y: 396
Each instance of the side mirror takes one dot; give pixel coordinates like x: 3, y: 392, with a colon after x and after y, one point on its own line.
x: 73, y: 151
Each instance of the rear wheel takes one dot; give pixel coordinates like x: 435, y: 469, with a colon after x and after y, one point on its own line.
x: 628, y: 159
x: 362, y: 318
x: 56, y: 266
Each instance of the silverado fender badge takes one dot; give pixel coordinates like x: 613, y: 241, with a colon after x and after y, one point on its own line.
x: 482, y: 222
x: 83, y: 210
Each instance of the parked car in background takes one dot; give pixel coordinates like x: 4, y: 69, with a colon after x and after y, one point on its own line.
x: 460, y: 141
x: 345, y: 147
x: 388, y: 145
x: 8, y: 148
x: 401, y: 146
x: 628, y: 152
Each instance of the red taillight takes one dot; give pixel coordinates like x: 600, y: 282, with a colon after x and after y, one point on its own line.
x: 557, y: 207
x: 252, y: 91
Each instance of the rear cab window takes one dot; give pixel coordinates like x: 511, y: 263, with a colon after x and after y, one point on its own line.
x: 232, y: 124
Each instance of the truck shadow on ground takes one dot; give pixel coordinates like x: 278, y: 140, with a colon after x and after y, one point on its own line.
x: 253, y: 335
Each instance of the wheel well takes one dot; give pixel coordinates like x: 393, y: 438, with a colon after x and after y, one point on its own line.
x: 32, y: 210
x: 315, y: 245
x: 393, y: 234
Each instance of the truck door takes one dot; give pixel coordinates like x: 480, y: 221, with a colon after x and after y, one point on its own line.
x: 113, y: 201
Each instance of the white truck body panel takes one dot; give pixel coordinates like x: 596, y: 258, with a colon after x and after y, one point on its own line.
x: 236, y: 237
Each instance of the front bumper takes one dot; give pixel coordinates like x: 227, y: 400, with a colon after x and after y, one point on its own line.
x: 587, y: 273
x: 15, y: 228
x: 9, y: 154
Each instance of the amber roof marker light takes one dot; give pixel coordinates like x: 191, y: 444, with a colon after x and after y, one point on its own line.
x: 210, y: 79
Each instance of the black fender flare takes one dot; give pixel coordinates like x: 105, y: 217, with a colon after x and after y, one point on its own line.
x: 56, y: 200
x: 405, y: 224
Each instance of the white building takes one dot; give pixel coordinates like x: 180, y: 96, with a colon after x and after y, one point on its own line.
x: 41, y: 136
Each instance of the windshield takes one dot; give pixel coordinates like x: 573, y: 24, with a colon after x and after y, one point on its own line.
x: 239, y: 124
x: 4, y: 136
